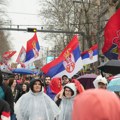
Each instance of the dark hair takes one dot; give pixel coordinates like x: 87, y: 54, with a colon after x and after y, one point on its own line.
x: 64, y: 76
x: 27, y: 78
x: 47, y: 76
x: 27, y: 85
x: 70, y: 90
x: 11, y: 80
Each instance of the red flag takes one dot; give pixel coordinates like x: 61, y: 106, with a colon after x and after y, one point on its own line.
x: 111, y: 48
x: 7, y: 55
x: 21, y: 56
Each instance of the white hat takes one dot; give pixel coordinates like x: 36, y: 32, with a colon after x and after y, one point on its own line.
x: 99, y: 79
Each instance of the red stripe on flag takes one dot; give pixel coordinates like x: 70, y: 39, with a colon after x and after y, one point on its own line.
x: 31, y: 43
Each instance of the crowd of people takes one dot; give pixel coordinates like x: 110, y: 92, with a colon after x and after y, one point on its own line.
x: 45, y: 98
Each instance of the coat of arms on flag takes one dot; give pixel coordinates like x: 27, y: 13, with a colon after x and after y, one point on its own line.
x: 68, y: 63
x: 91, y: 55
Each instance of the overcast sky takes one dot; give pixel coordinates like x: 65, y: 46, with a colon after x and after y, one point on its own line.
x: 24, y: 12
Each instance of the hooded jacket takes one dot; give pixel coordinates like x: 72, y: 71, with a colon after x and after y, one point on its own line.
x: 96, y: 104
x: 66, y: 104
x: 35, y: 106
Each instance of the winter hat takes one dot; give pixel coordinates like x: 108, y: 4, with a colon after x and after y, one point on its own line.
x: 96, y: 104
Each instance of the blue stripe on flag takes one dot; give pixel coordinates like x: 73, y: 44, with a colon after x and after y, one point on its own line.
x: 60, y: 67
x: 29, y: 55
x: 56, y: 69
x: 77, y: 53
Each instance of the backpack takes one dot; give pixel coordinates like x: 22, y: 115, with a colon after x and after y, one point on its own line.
x: 2, y: 94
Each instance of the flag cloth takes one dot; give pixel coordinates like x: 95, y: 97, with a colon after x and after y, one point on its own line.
x: 91, y: 55
x: 8, y: 54
x: 111, y: 48
x: 68, y: 63
x: 32, y: 50
x: 22, y: 55
x: 6, y: 57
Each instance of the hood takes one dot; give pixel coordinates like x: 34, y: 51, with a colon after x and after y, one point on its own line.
x: 56, y: 85
x: 96, y: 104
x: 78, y: 85
x: 99, y: 79
x: 33, y: 81
x: 72, y: 87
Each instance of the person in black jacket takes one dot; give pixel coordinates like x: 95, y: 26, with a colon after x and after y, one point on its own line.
x: 8, y: 96
x: 4, y: 110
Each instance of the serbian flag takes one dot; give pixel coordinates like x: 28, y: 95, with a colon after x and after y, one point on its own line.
x: 32, y: 50
x: 8, y: 54
x: 68, y: 63
x: 111, y: 48
x: 91, y: 55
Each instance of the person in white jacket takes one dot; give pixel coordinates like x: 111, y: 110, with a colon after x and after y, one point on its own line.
x: 36, y: 105
x: 65, y: 102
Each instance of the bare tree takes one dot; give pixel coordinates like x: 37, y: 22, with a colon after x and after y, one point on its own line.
x: 59, y: 16
x: 70, y: 15
x: 4, y: 43
x: 88, y: 17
